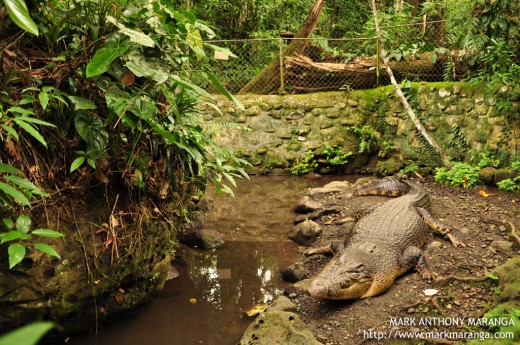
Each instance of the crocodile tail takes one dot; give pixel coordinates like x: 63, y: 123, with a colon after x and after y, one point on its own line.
x: 388, y: 186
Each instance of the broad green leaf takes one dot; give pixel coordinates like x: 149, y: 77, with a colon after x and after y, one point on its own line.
x: 16, y: 254
x: 25, y: 184
x: 221, y: 49
x: 44, y: 99
x: 140, y: 70
x: 214, y: 80
x: 11, y: 131
x: 19, y: 14
x: 47, y: 249
x: 9, y: 169
x: 82, y: 103
x: 30, y: 130
x: 135, y: 36
x: 8, y: 223
x: 14, y: 193
x: 92, y: 130
x: 114, y: 48
x: 77, y: 163
x: 10, y: 236
x: 47, y: 233
x: 138, y: 37
x: 23, y: 224
x: 27, y: 335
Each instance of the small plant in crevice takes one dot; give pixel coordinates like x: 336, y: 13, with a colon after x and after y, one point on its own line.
x: 458, y: 142
x: 305, y: 165
x: 460, y: 175
x: 335, y: 155
x: 368, y: 138
x: 410, y: 168
x: 18, y: 234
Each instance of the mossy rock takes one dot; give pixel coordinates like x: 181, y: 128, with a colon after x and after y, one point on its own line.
x: 388, y: 167
x: 278, y: 327
x: 509, y: 275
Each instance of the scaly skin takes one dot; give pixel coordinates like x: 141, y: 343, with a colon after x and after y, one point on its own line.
x: 386, y: 243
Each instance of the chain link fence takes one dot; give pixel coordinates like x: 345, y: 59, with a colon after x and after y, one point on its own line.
x: 262, y: 66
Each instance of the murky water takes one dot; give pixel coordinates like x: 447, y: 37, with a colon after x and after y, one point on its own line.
x: 206, y: 303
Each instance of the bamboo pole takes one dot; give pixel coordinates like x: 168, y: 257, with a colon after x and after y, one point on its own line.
x: 402, y: 97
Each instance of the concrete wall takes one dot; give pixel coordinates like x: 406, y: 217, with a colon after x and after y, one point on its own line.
x: 275, y: 132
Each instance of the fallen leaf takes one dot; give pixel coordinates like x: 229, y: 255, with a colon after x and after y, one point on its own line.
x: 113, y: 221
x: 128, y: 79
x: 98, y: 231
x: 430, y: 292
x: 484, y: 194
x: 13, y: 150
x: 255, y: 310
x: 193, y: 300
x: 119, y: 299
x: 108, y: 242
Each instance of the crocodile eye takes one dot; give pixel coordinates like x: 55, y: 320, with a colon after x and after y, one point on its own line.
x: 360, y: 267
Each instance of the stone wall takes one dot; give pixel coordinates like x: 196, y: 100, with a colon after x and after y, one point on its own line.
x: 275, y: 132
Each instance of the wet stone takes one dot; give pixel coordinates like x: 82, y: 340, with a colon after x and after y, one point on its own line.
x: 305, y: 233
x: 306, y: 205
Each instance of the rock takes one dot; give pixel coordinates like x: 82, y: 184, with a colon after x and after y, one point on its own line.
x: 504, y: 174
x: 364, y: 180
x: 307, y: 205
x: 305, y: 233
x: 487, y: 175
x: 278, y: 327
x: 294, y: 115
x: 509, y: 278
x: 294, y: 273
x: 444, y: 93
x: 323, y: 190
x: 502, y: 245
x: 282, y: 303
x: 203, y: 238
x: 338, y: 185
x: 352, y: 103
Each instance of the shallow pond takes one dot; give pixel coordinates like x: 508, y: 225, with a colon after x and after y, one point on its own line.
x: 206, y: 303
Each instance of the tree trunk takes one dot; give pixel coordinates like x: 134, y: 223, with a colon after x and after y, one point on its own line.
x: 269, y: 80
x: 402, y: 97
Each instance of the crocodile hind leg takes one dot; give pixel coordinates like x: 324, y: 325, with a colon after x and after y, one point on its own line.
x: 413, y: 256
x: 389, y: 186
x: 456, y: 237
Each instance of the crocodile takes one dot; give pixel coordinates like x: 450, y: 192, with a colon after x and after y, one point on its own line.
x: 386, y: 242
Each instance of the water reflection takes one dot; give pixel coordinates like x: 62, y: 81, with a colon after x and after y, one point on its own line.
x: 222, y: 283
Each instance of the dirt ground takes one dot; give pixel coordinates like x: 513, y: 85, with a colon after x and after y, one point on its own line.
x: 404, y: 306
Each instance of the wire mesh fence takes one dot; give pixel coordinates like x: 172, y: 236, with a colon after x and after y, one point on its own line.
x: 268, y: 66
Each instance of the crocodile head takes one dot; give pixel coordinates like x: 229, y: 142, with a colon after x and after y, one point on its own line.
x: 345, y: 277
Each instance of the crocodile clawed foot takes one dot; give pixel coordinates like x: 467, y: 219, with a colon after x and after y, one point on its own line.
x: 457, y: 238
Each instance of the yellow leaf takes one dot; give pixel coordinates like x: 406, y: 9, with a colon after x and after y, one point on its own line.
x: 255, y: 310
x: 193, y: 300
x: 484, y: 194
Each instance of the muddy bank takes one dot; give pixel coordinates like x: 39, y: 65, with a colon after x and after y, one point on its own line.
x: 469, y: 281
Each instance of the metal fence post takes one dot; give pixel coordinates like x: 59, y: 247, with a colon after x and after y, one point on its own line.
x: 282, y: 81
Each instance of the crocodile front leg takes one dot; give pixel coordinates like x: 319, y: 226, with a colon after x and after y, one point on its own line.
x: 331, y: 248
x: 456, y: 237
x: 413, y: 256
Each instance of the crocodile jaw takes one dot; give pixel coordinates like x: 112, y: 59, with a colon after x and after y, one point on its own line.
x: 349, y: 289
